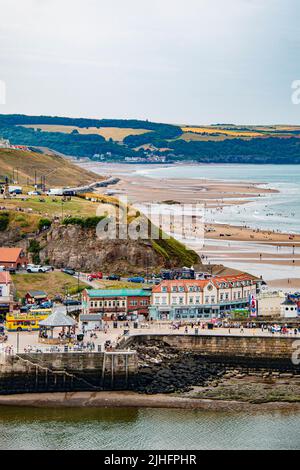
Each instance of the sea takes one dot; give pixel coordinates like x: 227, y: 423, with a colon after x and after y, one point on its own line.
x: 146, y: 429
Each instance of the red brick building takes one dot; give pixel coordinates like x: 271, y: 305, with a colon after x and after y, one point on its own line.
x: 115, y: 303
x: 13, y: 257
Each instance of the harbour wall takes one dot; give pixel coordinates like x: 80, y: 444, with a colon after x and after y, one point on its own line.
x: 125, y: 369
x: 256, y: 351
x: 63, y: 372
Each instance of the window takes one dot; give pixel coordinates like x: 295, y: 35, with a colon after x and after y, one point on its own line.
x: 164, y: 289
x: 181, y: 300
x: 174, y: 289
x: 206, y: 299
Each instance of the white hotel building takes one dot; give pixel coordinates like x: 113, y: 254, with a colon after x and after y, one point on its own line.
x: 201, y: 299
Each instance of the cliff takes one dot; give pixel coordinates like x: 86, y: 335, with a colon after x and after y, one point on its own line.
x: 80, y: 249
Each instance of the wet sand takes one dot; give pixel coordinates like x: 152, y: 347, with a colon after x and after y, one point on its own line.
x: 135, y: 400
x: 142, y: 189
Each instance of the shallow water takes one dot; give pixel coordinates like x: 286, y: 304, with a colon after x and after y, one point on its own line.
x: 121, y: 429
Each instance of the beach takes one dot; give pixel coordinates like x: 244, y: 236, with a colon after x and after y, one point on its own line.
x: 271, y: 252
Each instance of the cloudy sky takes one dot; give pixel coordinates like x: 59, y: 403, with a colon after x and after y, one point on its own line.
x: 191, y: 61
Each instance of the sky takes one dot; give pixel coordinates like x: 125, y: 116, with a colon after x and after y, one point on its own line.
x: 184, y: 62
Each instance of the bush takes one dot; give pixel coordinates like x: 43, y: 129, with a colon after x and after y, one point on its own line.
x: 89, y: 222
x: 44, y: 223
x: 34, y: 246
x: 4, y: 221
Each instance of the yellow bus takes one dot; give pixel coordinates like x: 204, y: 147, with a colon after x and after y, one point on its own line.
x: 26, y: 321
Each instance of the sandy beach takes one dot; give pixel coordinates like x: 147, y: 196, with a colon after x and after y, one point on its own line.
x: 236, y: 246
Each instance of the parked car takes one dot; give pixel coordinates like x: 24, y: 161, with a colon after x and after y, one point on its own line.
x: 48, y: 268
x: 34, y: 193
x: 114, y: 277
x: 25, y: 308
x: 32, y: 268
x: 71, y: 302
x: 11, y: 270
x: 94, y: 276
x: 136, y: 279
x: 47, y: 304
x: 69, y: 271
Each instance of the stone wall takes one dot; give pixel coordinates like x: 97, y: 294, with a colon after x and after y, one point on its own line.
x: 63, y: 372
x: 260, y: 351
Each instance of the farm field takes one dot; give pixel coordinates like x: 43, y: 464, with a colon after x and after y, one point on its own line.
x: 118, y: 134
x: 221, y: 133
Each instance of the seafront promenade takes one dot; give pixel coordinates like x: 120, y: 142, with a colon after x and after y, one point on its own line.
x: 94, y: 341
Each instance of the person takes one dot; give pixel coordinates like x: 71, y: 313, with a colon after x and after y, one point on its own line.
x: 186, y: 330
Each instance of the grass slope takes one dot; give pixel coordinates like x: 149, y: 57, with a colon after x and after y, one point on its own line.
x: 57, y: 170
x: 54, y: 283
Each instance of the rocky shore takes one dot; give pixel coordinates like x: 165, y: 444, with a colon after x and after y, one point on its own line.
x: 163, y: 369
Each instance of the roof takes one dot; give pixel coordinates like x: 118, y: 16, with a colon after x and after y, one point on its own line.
x: 90, y: 317
x: 201, y: 283
x: 117, y: 293
x: 57, y: 319
x: 37, y: 293
x: 186, y: 283
x: 5, y: 277
x: 8, y: 255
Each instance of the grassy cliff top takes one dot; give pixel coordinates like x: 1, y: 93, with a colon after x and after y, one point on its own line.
x: 58, y: 170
